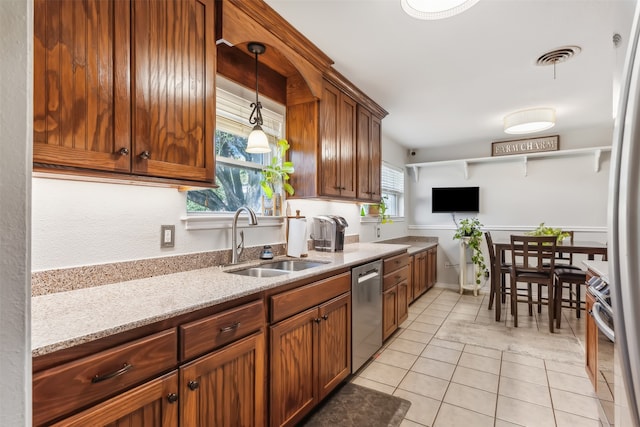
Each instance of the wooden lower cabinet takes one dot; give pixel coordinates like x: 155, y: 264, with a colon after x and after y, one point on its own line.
x: 225, y: 388
x: 153, y: 404
x: 424, y: 272
x: 591, y: 341
x: 310, y: 356
x: 389, y: 312
x: 403, y: 301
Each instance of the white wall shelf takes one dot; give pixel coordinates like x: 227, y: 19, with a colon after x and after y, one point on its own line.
x: 524, y: 158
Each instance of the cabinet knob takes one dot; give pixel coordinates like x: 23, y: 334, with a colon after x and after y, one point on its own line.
x: 325, y: 316
x: 193, y: 385
x: 317, y: 320
x: 124, y: 151
x: 172, y: 398
x: 145, y: 155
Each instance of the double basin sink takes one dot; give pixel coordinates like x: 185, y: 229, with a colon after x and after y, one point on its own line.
x: 277, y: 268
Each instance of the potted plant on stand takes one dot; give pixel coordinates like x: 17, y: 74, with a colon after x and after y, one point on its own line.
x: 469, y: 232
x: 274, y: 180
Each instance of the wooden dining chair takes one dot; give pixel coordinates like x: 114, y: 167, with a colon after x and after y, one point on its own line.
x: 533, y: 261
x: 498, y: 277
x: 569, y: 277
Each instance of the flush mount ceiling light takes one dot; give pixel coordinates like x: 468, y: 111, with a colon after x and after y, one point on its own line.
x: 435, y: 9
x: 257, y: 142
x: 530, y: 121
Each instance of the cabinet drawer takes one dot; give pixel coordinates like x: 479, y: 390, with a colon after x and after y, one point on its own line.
x: 206, y: 334
x: 296, y: 300
x: 395, y: 262
x: 395, y: 277
x: 70, y: 386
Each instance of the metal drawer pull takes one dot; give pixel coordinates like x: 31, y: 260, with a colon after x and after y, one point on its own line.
x: 145, y: 155
x: 172, y: 398
x: 124, y: 151
x: 193, y: 385
x: 121, y: 371
x: 230, y: 328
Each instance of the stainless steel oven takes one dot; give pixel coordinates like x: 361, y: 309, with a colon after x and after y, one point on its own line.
x: 602, y: 314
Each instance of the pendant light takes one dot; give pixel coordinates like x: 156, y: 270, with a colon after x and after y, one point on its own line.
x: 257, y: 142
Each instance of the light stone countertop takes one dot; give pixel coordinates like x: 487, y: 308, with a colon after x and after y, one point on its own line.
x: 65, y: 319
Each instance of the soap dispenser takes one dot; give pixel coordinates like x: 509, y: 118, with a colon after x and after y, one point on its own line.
x: 266, y: 253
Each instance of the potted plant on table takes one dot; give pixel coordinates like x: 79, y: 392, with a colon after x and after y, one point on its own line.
x: 275, y: 176
x: 469, y: 231
x: 543, y: 230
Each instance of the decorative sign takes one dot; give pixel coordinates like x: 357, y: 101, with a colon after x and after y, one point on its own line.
x: 524, y: 146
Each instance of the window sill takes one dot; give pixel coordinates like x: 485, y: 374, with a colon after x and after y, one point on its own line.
x: 222, y: 221
x: 377, y: 219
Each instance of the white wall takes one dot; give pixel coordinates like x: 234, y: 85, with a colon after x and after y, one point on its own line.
x: 16, y: 118
x: 78, y: 223
x: 562, y: 192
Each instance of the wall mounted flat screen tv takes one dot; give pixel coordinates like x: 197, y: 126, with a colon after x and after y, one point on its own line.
x: 455, y: 199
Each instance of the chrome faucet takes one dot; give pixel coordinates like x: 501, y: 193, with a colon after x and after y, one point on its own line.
x: 235, y: 253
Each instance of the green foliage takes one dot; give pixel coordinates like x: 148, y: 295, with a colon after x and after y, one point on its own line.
x: 470, y: 228
x: 542, y: 230
x: 276, y: 174
x: 385, y: 218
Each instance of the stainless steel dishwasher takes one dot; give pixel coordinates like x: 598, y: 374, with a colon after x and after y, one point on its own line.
x: 366, y: 312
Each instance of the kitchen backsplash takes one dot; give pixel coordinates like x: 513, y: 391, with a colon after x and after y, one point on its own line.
x: 68, y: 279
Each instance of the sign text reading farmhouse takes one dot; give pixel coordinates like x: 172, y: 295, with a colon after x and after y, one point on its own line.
x: 523, y: 146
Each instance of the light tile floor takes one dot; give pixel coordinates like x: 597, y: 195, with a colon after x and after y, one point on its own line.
x: 459, y: 367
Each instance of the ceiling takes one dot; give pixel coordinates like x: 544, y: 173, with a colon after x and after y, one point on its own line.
x: 452, y: 81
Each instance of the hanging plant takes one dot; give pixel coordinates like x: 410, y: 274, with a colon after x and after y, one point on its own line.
x: 469, y: 230
x: 276, y: 174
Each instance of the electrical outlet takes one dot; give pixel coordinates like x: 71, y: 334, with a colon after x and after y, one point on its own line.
x: 377, y: 231
x: 167, y: 236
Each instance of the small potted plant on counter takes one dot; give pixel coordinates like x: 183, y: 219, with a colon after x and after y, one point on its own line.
x: 469, y: 231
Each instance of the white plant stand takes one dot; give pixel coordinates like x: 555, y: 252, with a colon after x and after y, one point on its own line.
x: 467, y: 269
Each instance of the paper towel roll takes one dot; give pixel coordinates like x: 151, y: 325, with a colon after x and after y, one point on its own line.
x: 297, y: 239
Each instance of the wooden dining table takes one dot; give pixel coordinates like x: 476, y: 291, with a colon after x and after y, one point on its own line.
x: 591, y: 249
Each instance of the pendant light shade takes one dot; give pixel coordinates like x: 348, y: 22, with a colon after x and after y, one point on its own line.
x: 435, y: 9
x: 257, y: 142
x: 530, y: 121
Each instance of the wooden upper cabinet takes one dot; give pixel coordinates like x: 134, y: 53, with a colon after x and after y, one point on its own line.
x: 338, y: 143
x: 369, y: 149
x: 174, y: 88
x: 125, y: 87
x: 81, y: 110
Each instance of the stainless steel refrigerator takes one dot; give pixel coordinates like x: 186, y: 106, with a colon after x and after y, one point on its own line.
x: 624, y: 237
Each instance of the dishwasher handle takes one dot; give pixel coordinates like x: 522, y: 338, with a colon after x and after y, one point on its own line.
x: 363, y: 277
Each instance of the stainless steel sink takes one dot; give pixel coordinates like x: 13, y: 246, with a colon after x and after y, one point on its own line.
x: 259, y: 272
x: 276, y: 268
x: 292, y: 265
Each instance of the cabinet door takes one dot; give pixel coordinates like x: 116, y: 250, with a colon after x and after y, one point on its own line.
x: 412, y: 292
x: 403, y: 301
x: 292, y: 373
x: 591, y: 342
x: 389, y: 312
x: 153, y: 404
x: 369, y: 157
x: 173, y: 88
x: 226, y: 387
x: 334, y: 343
x: 431, y: 267
x: 338, y: 143
x: 419, y: 274
x: 81, y: 110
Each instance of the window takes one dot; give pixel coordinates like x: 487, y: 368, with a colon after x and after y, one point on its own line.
x: 393, y: 189
x: 237, y: 172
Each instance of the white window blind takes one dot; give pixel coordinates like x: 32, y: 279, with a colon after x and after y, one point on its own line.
x: 392, y: 179
x: 232, y: 116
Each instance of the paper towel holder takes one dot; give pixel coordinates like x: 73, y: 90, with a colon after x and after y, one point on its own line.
x: 296, y: 216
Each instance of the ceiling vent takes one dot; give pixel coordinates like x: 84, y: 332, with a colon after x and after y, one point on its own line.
x: 559, y: 55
